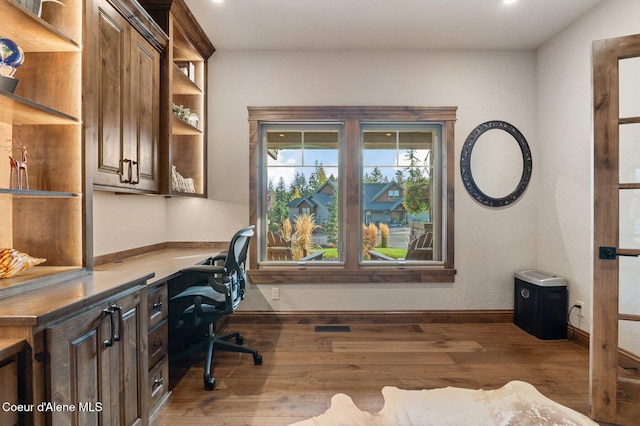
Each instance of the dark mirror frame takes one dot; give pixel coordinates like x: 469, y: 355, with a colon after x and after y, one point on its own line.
x: 465, y: 164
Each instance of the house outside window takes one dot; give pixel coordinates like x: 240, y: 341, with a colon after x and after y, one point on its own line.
x: 352, y: 194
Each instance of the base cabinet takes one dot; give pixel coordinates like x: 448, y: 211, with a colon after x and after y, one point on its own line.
x: 158, y: 338
x: 98, y: 364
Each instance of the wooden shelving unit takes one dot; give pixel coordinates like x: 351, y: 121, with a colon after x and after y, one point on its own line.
x: 183, y: 146
x: 44, y: 114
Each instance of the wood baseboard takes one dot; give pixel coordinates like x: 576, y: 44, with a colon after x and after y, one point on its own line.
x: 373, y: 317
x: 578, y: 336
x: 125, y: 254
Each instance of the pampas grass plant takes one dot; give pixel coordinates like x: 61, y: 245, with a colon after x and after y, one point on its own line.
x: 369, y: 238
x: 384, y: 235
x: 302, y: 237
x: 286, y: 229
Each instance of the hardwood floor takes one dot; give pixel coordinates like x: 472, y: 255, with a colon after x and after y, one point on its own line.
x: 303, y: 368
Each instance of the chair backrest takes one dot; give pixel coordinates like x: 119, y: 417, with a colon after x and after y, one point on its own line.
x: 277, y: 247
x: 421, y: 248
x: 235, y: 263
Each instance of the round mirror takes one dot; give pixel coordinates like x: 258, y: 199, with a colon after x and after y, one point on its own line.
x: 495, y: 171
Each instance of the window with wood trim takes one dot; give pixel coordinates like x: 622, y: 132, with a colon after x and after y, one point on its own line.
x: 352, y: 194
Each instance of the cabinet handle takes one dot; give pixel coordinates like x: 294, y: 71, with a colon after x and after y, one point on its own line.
x: 158, y: 306
x: 137, y: 181
x: 118, y: 309
x: 122, y: 178
x: 109, y: 341
x: 158, y: 382
x: 157, y: 344
x: 115, y: 336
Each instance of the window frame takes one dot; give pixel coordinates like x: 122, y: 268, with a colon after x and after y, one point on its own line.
x: 351, y: 269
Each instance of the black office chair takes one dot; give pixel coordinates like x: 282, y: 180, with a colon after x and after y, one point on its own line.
x: 216, y: 293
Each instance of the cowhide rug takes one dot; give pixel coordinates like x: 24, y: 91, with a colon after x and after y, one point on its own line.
x: 516, y: 403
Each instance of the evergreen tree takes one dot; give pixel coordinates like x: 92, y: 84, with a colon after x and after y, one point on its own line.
x: 279, y: 210
x: 300, y: 183
x: 377, y: 176
x: 417, y: 188
x: 331, y: 227
x: 317, y: 178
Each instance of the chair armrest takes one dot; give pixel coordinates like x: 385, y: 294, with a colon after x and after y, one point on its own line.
x: 316, y: 255
x: 203, y: 269
x: 376, y: 255
x: 208, y: 272
x: 212, y: 260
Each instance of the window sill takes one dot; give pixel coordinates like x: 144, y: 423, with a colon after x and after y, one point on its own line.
x: 322, y: 275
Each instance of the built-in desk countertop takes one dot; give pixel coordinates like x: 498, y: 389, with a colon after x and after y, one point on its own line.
x: 37, y: 308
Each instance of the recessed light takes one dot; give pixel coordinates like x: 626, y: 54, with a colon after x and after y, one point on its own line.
x: 509, y: 1
x: 217, y: 1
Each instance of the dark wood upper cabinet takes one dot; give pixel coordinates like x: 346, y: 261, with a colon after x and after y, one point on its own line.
x: 123, y: 117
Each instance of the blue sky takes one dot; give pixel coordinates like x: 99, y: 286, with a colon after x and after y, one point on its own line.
x: 291, y: 161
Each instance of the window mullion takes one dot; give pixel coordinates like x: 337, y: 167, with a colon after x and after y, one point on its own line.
x: 352, y: 195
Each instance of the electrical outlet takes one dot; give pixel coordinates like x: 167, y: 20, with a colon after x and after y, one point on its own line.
x: 580, y: 307
x: 275, y: 293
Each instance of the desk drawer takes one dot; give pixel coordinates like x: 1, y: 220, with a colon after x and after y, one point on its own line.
x: 158, y: 384
x: 158, y: 305
x: 158, y: 341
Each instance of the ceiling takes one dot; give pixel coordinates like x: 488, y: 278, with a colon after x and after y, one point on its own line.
x: 340, y: 25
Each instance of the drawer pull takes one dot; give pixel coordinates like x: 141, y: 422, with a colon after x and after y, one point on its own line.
x: 157, y: 305
x: 158, y: 382
x: 157, y: 344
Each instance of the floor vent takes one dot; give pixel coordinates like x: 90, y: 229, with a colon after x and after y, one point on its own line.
x: 333, y: 329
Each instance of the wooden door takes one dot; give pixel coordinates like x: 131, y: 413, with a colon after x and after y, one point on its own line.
x: 614, y: 380
x: 145, y: 113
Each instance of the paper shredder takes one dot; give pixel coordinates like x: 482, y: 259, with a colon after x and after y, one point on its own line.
x: 540, y: 304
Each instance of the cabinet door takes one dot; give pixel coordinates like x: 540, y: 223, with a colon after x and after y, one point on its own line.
x: 127, y: 111
x: 97, y: 365
x: 132, y: 358
x: 145, y: 113
x: 82, y: 369
x: 112, y: 62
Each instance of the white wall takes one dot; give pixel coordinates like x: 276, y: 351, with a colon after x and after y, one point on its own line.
x: 565, y: 197
x: 547, y: 96
x: 123, y: 222
x: 490, y: 244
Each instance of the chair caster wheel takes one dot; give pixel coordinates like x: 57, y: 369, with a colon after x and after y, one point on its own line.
x: 257, y: 359
x: 209, y: 383
x: 239, y: 340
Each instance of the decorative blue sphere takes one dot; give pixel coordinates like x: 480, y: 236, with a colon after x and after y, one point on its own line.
x: 11, y: 55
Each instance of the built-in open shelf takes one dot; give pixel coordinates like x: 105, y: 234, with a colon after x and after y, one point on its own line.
x: 36, y: 35
x: 183, y: 85
x: 181, y: 127
x: 23, y: 111
x: 36, y: 193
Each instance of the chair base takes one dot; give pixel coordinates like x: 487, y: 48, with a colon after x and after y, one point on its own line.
x: 222, y: 343
x: 214, y: 342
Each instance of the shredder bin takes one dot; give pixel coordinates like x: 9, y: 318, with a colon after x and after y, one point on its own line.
x: 540, y: 304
